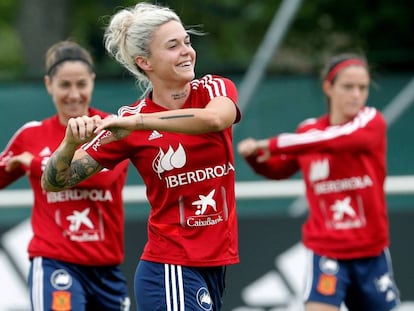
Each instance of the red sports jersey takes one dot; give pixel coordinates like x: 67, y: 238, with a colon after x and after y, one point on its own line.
x: 83, y: 225
x: 344, y: 171
x: 190, y: 183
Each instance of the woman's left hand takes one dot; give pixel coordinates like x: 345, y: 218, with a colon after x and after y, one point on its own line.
x: 120, y: 127
x: 24, y: 159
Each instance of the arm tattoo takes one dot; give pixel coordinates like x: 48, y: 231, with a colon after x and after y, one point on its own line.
x: 178, y: 116
x: 82, y: 169
x: 73, y: 174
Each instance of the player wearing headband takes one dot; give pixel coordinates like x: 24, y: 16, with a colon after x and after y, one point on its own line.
x: 342, y: 157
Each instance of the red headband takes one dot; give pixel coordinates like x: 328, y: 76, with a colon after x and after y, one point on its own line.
x: 341, y: 65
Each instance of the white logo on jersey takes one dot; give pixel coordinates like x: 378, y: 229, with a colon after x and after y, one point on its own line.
x: 204, y: 202
x: 345, y: 184
x: 75, y: 194
x: 79, y: 218
x: 341, y: 208
x: 167, y: 161
x: 319, y: 170
x: 154, y: 135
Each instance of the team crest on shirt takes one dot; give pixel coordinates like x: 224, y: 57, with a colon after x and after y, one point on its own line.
x: 61, y: 279
x: 204, y: 299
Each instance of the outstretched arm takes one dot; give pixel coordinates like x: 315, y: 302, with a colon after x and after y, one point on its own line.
x: 257, y: 155
x: 219, y: 114
x: 250, y: 147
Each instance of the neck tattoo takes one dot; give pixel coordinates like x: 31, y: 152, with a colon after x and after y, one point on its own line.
x: 179, y: 95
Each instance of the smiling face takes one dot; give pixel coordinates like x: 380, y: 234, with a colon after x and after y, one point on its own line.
x: 347, y: 93
x: 172, y: 58
x: 71, y: 88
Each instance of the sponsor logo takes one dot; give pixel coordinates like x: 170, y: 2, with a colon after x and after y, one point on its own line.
x: 171, y: 159
x: 203, y: 204
x: 319, y: 170
x: 79, y: 194
x: 342, y: 208
x: 167, y: 161
x: 209, y: 221
x: 79, y: 218
x: 353, y: 183
x: 98, y: 143
x: 198, y: 175
x: 154, y: 135
x: 343, y: 215
x: 81, y: 227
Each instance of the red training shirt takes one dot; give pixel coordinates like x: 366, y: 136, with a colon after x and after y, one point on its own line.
x: 83, y: 225
x: 190, y: 183
x: 344, y: 170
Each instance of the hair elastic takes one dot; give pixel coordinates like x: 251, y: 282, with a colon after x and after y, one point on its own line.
x: 341, y: 65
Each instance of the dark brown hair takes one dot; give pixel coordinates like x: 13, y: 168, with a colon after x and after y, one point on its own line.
x: 66, y: 51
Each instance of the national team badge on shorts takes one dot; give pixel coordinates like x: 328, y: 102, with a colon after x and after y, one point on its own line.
x: 61, y: 301
x: 61, y: 279
x: 204, y: 299
x: 327, y: 284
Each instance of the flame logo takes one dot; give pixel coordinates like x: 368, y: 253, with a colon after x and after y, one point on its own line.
x: 167, y: 161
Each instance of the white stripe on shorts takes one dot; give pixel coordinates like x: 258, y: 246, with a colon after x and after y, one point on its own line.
x: 37, y: 284
x: 174, y: 289
x: 308, y: 274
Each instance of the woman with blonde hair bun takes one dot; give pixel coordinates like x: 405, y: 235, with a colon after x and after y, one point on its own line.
x: 179, y: 137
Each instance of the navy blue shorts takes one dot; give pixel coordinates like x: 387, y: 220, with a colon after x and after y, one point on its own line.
x: 60, y: 286
x: 166, y: 287
x: 365, y: 284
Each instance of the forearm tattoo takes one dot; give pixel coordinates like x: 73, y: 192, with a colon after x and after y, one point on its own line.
x: 74, y: 173
x: 178, y: 116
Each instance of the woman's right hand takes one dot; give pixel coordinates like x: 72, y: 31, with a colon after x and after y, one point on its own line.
x: 250, y: 147
x: 247, y: 147
x: 81, y: 129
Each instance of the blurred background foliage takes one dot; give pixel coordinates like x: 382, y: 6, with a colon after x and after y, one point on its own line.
x: 381, y: 29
